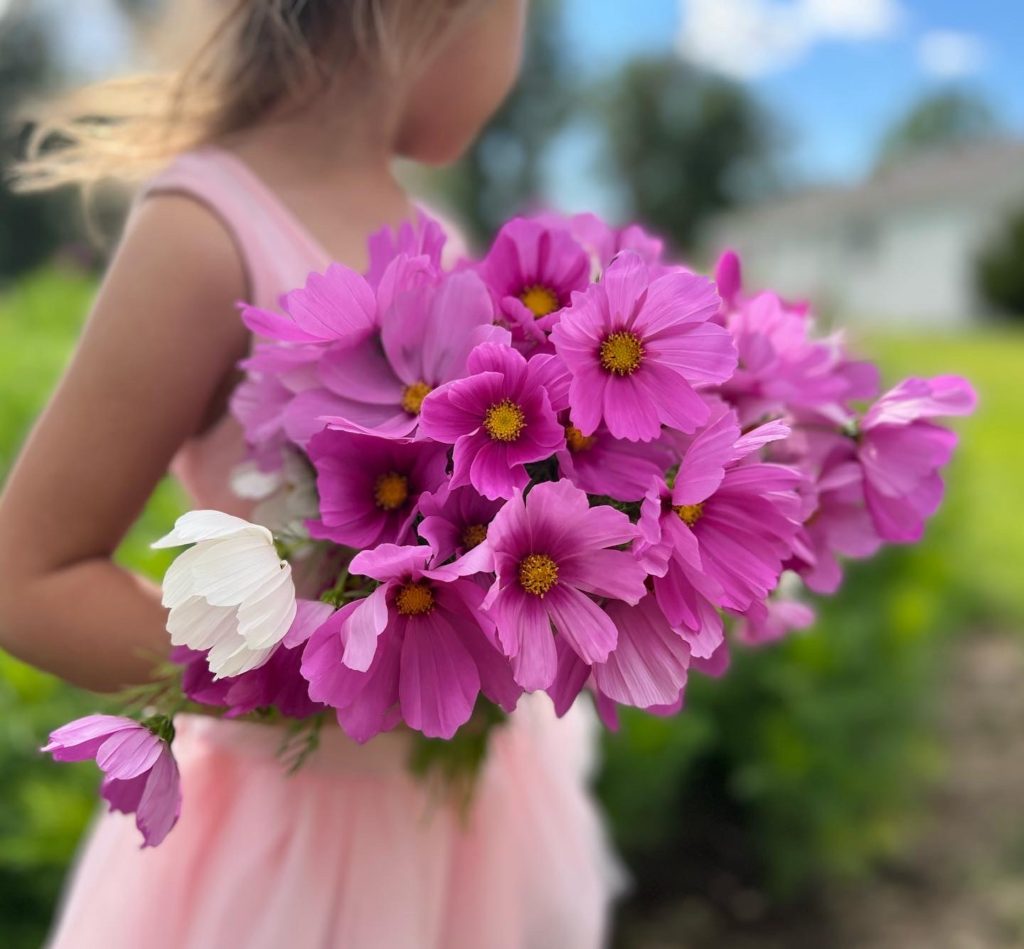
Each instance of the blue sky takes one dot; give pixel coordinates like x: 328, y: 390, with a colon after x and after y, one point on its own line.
x: 855, y: 66
x: 836, y: 73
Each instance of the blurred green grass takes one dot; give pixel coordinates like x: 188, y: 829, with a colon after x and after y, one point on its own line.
x: 805, y: 763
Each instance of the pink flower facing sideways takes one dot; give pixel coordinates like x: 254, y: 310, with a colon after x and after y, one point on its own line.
x: 900, y: 452
x: 636, y: 347
x: 369, y: 486
x: 550, y: 555
x: 499, y: 419
x: 418, y: 649
x: 425, y: 335
x: 140, y: 775
x: 718, y: 537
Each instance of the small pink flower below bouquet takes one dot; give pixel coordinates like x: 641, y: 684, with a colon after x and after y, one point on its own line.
x: 571, y: 466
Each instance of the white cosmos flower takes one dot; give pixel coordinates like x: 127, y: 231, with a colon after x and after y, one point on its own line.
x: 230, y: 593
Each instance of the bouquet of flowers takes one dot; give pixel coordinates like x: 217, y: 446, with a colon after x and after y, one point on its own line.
x: 570, y: 466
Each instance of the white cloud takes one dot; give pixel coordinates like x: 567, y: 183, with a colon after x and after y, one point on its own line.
x: 750, y: 38
x: 951, y: 55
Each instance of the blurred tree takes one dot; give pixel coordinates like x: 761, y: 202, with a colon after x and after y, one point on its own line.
x: 940, y: 120
x: 684, y: 145
x: 1000, y: 268
x: 501, y: 172
x: 32, y: 226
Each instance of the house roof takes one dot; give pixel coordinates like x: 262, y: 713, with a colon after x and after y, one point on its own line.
x: 966, y: 172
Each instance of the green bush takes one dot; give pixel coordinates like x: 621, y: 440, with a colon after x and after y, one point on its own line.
x: 1000, y: 268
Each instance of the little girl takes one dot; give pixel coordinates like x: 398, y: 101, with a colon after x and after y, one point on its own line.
x: 272, y: 156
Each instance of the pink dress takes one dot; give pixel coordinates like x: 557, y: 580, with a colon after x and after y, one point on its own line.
x: 351, y: 851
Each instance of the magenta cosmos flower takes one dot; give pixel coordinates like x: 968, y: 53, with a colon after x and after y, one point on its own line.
x: 900, y: 452
x: 418, y: 647
x: 603, y: 465
x: 720, y: 535
x: 550, y: 554
x: 636, y: 347
x: 499, y: 419
x: 455, y: 520
x: 533, y: 269
x: 424, y: 341
x: 140, y: 775
x: 276, y: 684
x: 782, y: 367
x: 335, y: 306
x: 369, y: 486
x: 647, y: 669
x: 420, y: 237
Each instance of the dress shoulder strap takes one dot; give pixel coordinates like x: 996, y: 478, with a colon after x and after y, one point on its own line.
x: 276, y: 251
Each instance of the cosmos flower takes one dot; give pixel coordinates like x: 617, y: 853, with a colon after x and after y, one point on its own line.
x: 369, y: 486
x: 230, y: 595
x: 900, y: 452
x: 419, y: 643
x: 612, y: 467
x: 276, y: 684
x: 533, y: 269
x: 140, y: 775
x: 424, y: 341
x: 636, y: 347
x: 720, y: 534
x: 455, y: 520
x: 551, y: 553
x: 499, y: 419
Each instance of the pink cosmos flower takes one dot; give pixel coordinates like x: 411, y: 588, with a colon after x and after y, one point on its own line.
x: 720, y: 535
x: 612, y: 467
x: 604, y: 242
x: 839, y: 525
x: 424, y: 341
x: 370, y: 486
x: 419, y: 644
x: 533, y: 269
x: 776, y: 620
x: 335, y: 306
x: 276, y: 684
x: 900, y: 452
x: 455, y: 520
x: 782, y: 367
x: 550, y: 553
x: 140, y: 775
x: 499, y: 419
x: 421, y: 237
x: 636, y: 347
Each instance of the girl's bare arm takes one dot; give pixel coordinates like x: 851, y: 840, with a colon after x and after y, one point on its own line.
x: 157, y: 350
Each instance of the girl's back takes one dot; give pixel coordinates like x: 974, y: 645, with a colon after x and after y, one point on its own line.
x: 351, y: 851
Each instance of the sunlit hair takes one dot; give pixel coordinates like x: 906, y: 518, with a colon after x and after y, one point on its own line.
x: 253, y: 55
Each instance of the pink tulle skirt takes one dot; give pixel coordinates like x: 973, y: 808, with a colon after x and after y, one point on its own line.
x: 353, y: 852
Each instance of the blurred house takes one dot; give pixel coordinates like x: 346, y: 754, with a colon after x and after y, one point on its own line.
x: 898, y: 249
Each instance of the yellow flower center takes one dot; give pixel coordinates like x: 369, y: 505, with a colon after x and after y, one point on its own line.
x: 414, y: 599
x: 504, y: 421
x: 689, y: 514
x: 538, y: 573
x: 391, y: 491
x: 539, y: 300
x: 576, y: 440
x: 413, y: 396
x: 474, y: 535
x: 622, y: 353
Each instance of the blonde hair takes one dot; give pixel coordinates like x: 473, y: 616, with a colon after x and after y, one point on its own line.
x: 255, y: 55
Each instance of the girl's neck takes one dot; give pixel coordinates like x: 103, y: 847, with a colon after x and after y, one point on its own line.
x: 329, y: 161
